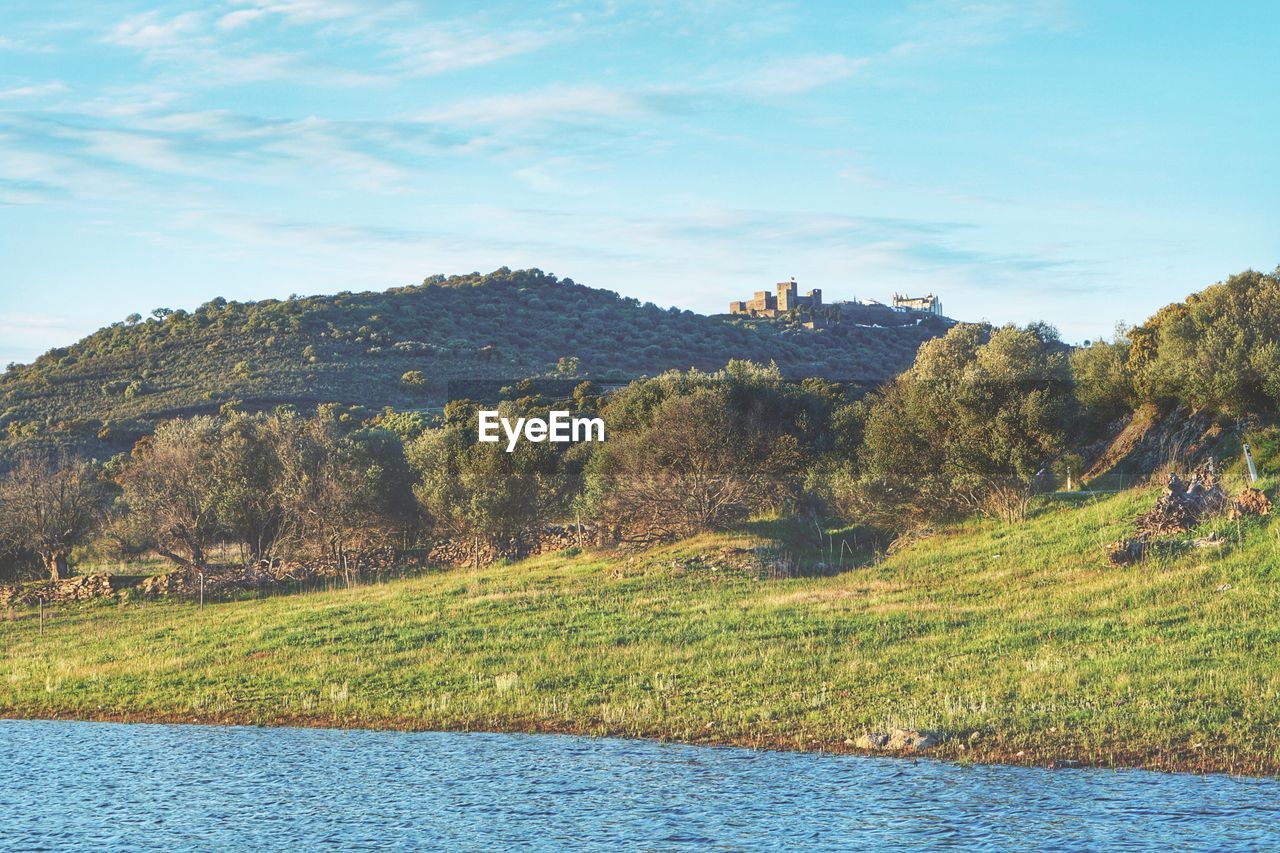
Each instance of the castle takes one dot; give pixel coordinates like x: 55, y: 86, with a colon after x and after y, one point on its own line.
x: 766, y: 304
x: 931, y: 303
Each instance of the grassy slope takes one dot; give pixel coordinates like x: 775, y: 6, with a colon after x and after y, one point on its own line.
x: 1020, y: 634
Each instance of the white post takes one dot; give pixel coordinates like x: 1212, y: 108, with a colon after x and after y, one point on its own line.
x: 1253, y: 471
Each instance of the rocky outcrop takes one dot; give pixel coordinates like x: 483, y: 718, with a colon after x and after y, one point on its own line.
x: 899, y: 740
x: 1150, y: 439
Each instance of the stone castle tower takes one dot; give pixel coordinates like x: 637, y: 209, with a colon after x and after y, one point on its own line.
x: 766, y: 304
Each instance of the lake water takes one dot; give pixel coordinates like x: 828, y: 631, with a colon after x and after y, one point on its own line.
x: 101, y: 785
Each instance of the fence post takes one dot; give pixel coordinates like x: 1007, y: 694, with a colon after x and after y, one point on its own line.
x: 1248, y: 458
x: 202, y: 590
x: 42, y: 616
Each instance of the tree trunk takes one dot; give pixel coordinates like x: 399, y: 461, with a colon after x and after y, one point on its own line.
x: 56, y: 564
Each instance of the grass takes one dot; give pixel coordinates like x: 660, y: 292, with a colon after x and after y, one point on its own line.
x: 1017, y: 641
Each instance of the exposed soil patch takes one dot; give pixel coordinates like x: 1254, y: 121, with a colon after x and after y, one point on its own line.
x: 1150, y: 441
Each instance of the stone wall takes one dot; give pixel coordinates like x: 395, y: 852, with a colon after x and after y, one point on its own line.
x: 72, y: 589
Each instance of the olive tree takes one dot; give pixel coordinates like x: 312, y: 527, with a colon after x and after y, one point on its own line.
x: 171, y: 490
x: 49, y: 506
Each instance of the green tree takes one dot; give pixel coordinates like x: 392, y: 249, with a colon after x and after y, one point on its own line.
x: 171, y: 490
x: 479, y: 491
x: 49, y: 506
x: 968, y: 427
x: 1219, y: 349
x: 695, y: 463
x: 1104, y: 385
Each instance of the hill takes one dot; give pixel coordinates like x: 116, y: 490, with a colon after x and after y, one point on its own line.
x: 356, y: 349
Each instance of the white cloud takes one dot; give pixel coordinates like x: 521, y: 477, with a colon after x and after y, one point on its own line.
x: 39, y: 90
x: 296, y: 12
x: 19, y: 46
x: 547, y: 106
x: 437, y: 52
x: 149, y: 30
x: 238, y: 19
x: 796, y: 75
x: 939, y: 26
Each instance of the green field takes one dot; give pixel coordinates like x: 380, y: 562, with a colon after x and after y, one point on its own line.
x: 1018, y: 641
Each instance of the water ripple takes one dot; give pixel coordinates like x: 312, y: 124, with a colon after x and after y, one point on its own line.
x: 154, y: 787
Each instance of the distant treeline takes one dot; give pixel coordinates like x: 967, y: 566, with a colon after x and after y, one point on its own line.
x: 983, y: 419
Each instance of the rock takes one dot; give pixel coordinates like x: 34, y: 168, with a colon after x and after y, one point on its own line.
x: 913, y: 740
x: 81, y: 588
x: 1127, y: 551
x: 899, y: 740
x: 872, y: 740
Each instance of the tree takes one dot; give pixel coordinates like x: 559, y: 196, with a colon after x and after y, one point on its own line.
x: 968, y: 427
x: 1103, y: 386
x: 343, y: 489
x: 698, y: 465
x: 48, y: 507
x: 479, y: 491
x: 170, y: 490
x: 1219, y: 349
x: 247, y: 471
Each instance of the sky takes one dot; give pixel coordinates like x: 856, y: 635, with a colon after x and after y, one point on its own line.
x: 1081, y: 163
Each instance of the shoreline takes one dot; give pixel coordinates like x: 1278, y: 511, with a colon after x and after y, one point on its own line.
x: 949, y: 750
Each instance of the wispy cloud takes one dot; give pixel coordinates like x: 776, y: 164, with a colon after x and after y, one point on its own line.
x: 221, y: 42
x: 939, y: 27
x: 434, y: 52
x: 38, y: 90
x: 292, y: 12
x: 796, y: 75
x: 13, y: 45
x: 554, y: 104
x: 151, y: 31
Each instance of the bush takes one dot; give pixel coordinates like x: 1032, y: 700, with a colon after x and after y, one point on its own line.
x: 968, y: 427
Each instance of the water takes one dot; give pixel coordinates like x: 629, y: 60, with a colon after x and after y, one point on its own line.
x: 103, y: 785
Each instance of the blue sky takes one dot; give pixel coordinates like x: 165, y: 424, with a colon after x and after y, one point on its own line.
x: 1077, y: 162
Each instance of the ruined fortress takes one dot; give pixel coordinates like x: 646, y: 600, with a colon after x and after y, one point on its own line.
x: 788, y: 299
x: 766, y: 304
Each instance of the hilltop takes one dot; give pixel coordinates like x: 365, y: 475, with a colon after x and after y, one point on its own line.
x: 362, y: 349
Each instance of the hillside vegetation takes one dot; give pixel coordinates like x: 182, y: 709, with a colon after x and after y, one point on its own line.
x: 729, y: 602
x: 1017, y: 642
x: 403, y: 347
